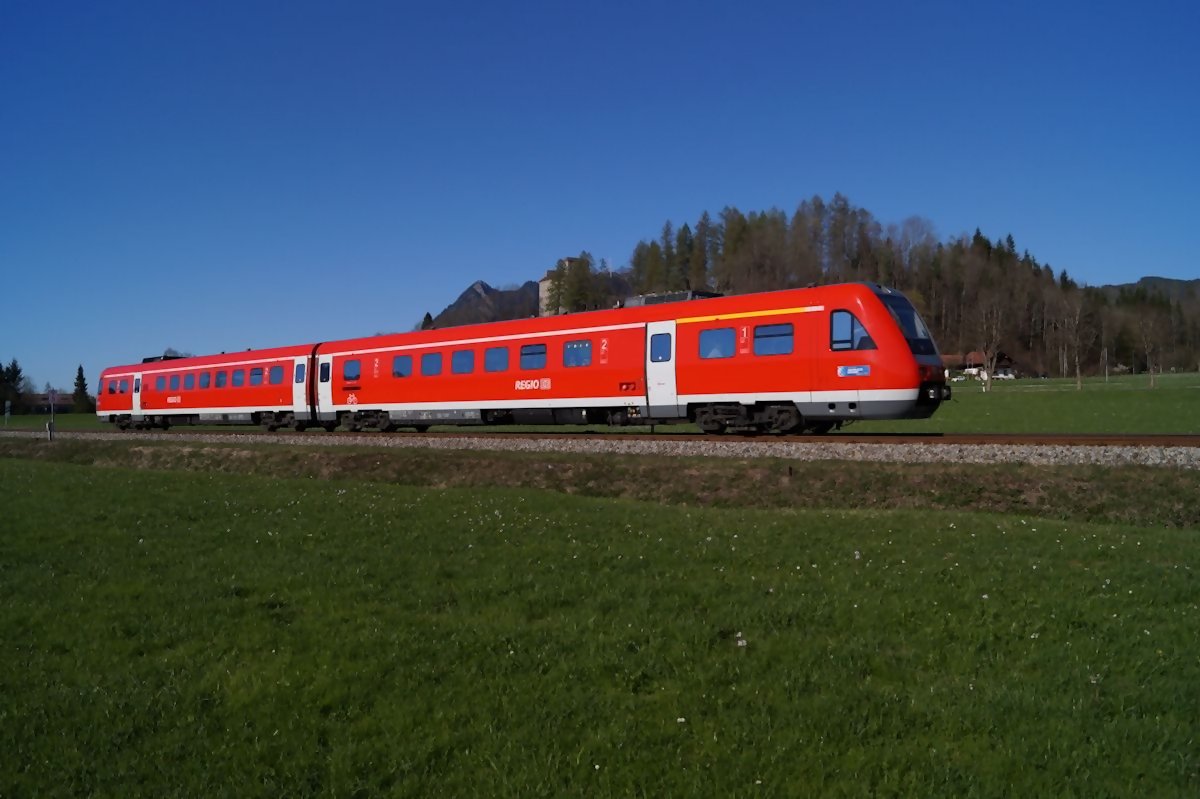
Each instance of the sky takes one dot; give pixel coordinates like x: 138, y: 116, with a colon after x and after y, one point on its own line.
x: 218, y: 175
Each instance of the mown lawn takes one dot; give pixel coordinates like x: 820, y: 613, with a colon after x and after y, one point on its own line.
x: 200, y: 634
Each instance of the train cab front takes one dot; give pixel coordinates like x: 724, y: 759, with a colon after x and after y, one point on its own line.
x: 933, y: 389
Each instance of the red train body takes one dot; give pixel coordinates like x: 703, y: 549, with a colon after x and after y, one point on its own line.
x: 781, y: 361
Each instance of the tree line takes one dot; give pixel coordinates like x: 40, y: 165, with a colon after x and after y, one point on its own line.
x: 976, y: 295
x: 17, y: 389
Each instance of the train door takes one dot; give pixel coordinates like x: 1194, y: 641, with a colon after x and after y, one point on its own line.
x: 324, y: 378
x: 661, y: 395
x: 300, y: 387
x: 137, y: 396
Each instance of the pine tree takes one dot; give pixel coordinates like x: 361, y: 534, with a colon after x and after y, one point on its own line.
x: 427, y: 322
x: 81, y: 400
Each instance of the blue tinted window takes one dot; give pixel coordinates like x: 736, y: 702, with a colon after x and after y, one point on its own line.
x: 256, y: 376
x: 773, y: 340
x: 351, y: 370
x: 174, y: 382
x: 205, y: 379
x: 222, y: 379
x: 402, y: 366
x: 717, y: 343
x: 847, y: 333
x: 276, y: 375
x: 533, y: 356
x: 299, y: 373
x: 160, y: 383
x: 462, y: 362
x: 577, y: 353
x: 660, y: 347
x: 239, y: 377
x: 189, y: 381
x: 495, y: 359
x: 431, y: 363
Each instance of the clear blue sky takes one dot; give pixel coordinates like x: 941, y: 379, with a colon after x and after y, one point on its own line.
x: 219, y: 175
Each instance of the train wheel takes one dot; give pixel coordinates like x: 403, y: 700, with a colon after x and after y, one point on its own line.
x: 709, y: 423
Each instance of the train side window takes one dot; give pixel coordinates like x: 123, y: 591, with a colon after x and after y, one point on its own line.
x: 402, y: 366
x: 324, y: 373
x: 137, y: 385
x: 160, y: 384
x: 495, y: 359
x: 276, y: 375
x: 773, y: 339
x: 533, y: 356
x: 577, y: 353
x: 112, y: 386
x: 174, y: 382
x: 222, y: 379
x: 124, y: 386
x: 660, y: 348
x: 352, y: 370
x: 239, y: 378
x: 299, y: 373
x: 431, y: 364
x: 717, y: 343
x: 205, y: 379
x: 256, y: 376
x: 189, y: 381
x: 847, y: 333
x: 462, y: 362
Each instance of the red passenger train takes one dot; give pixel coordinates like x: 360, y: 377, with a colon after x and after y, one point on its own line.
x: 780, y: 362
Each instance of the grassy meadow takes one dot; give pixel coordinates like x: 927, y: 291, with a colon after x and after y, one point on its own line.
x: 1124, y: 404
x: 195, y: 633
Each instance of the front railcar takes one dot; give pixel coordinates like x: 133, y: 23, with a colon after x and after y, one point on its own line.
x: 931, y: 376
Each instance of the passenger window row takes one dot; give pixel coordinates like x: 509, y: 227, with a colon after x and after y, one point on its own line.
x: 220, y: 378
x: 462, y: 362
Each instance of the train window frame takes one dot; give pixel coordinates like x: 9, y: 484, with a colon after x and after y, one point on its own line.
x: 775, y: 339
x: 351, y: 370
x: 112, y: 386
x: 237, y: 378
x: 205, y: 379
x: 326, y: 371
x: 174, y: 382
x: 402, y: 366
x: 716, y: 343
x: 256, y: 376
x: 124, y: 388
x: 462, y: 362
x: 300, y: 373
x: 222, y: 379
x: 275, y: 375
x: 577, y: 353
x: 431, y: 364
x: 854, y: 338
x: 495, y: 359
x: 533, y: 356
x: 189, y: 381
x: 657, y: 355
x: 160, y: 383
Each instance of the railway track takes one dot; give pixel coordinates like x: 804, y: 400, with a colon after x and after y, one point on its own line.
x: 929, y: 439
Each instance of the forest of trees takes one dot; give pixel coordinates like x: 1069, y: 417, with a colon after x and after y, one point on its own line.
x: 975, y: 294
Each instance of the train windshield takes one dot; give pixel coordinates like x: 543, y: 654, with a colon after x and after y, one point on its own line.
x: 919, y: 340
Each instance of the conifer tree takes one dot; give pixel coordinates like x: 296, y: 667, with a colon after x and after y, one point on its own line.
x: 81, y: 400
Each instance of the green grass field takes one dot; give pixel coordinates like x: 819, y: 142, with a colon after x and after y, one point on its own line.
x: 197, y: 634
x: 1120, y: 405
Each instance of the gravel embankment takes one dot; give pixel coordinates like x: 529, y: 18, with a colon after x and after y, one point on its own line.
x: 1171, y: 457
